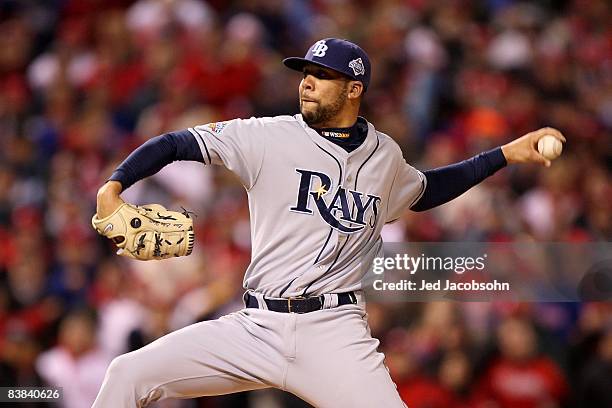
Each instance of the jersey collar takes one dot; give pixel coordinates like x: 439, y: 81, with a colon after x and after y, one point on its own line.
x: 368, y: 145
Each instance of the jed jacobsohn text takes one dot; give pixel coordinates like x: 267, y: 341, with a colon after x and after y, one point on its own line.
x: 412, y: 264
x: 406, y: 285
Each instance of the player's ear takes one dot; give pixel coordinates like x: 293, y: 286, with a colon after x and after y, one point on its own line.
x: 355, y: 89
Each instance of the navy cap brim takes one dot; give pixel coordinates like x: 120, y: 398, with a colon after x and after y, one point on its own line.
x: 297, y: 64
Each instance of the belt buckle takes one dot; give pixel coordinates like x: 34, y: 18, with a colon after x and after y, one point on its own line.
x: 289, y: 302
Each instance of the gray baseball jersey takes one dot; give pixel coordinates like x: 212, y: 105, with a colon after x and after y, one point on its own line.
x: 316, y: 216
x: 316, y: 210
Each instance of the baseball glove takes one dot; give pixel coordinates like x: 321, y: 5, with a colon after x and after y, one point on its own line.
x: 147, y: 232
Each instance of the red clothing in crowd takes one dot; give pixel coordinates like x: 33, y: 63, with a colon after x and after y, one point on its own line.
x: 522, y: 385
x: 421, y: 392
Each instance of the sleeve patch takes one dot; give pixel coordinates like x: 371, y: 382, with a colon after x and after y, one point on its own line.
x: 217, y: 127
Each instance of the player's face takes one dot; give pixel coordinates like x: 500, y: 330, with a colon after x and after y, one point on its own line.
x: 323, y: 94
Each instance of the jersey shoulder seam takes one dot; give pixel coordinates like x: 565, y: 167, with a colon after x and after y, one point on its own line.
x: 277, y: 119
x: 388, y: 139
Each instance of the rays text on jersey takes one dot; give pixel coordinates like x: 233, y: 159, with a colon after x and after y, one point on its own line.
x: 345, y: 207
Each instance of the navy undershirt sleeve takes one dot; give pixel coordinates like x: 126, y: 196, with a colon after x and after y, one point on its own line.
x: 449, y: 182
x: 154, y: 154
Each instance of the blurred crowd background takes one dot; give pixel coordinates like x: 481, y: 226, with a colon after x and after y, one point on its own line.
x: 84, y: 82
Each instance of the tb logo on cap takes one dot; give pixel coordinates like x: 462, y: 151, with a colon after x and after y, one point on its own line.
x: 319, y: 49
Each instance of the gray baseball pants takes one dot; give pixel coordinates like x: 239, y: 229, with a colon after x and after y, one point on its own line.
x: 328, y: 358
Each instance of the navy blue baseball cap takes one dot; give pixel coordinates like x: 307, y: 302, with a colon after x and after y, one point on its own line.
x: 340, y: 55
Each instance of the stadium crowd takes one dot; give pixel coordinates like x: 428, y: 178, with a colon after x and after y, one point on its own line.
x: 84, y: 82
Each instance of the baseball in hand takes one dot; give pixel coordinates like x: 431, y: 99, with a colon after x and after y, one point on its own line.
x: 550, y: 147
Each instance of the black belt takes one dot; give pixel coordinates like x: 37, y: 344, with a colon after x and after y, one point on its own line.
x: 299, y: 304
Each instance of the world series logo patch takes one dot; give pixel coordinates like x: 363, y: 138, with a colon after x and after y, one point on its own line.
x: 217, y: 127
x: 357, y: 66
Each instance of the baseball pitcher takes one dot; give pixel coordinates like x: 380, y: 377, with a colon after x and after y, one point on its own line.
x: 321, y: 185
